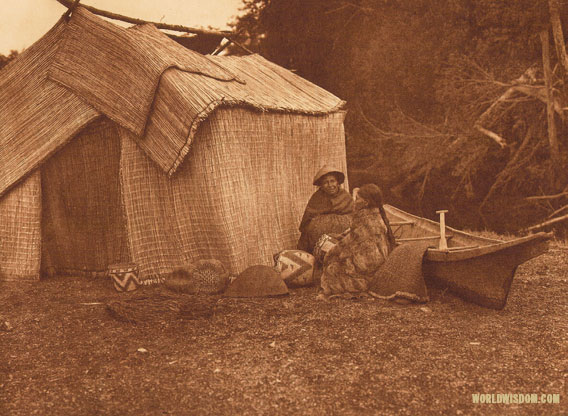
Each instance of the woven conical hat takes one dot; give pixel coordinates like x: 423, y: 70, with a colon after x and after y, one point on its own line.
x: 257, y: 281
x: 328, y: 169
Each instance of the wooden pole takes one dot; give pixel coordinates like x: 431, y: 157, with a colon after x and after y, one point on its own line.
x: 135, y: 21
x: 552, y: 137
x: 178, y: 28
x: 70, y: 9
x: 443, y: 244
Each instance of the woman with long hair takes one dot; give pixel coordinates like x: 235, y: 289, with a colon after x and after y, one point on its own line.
x: 350, y: 267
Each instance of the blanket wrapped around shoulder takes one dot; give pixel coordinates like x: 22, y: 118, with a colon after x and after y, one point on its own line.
x: 365, y: 261
x: 351, y: 265
x: 324, y: 215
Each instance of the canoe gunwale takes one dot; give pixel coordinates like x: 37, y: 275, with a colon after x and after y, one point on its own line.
x: 484, y: 245
x: 434, y: 254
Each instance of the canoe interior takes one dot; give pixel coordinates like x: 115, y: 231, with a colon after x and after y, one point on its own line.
x: 423, y: 227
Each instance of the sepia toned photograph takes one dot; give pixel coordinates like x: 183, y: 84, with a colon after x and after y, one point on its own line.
x: 283, y: 207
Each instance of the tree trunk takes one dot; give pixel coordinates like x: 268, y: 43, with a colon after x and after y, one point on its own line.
x: 552, y: 137
x: 557, y: 33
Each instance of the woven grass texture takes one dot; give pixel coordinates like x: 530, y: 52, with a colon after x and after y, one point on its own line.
x: 84, y: 226
x: 257, y: 133
x: 37, y: 116
x: 184, y: 100
x: 151, y: 218
x: 20, y: 234
x: 117, y: 70
x: 239, y: 195
x: 140, y: 79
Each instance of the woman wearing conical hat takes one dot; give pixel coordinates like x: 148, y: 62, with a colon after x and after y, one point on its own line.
x: 328, y: 210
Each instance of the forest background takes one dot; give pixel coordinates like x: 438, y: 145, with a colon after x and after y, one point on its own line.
x: 447, y: 103
x: 456, y: 104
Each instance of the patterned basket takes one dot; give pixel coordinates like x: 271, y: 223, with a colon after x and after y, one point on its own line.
x: 296, y: 267
x: 124, y: 276
x: 323, y: 246
x: 210, y: 276
x: 203, y: 276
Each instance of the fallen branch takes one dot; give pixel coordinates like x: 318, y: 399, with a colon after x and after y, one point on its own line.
x: 487, y: 113
x: 423, y: 186
x: 540, y: 197
x: 546, y: 223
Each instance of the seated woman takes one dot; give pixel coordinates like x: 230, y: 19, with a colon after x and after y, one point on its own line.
x: 351, y: 266
x: 328, y: 211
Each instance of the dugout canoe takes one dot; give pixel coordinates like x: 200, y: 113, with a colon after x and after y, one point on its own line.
x: 478, y: 269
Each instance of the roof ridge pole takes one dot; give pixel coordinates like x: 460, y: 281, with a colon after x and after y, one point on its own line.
x: 136, y: 21
x: 70, y: 8
x: 71, y: 4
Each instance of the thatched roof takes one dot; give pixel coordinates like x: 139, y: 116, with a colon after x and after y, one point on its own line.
x: 140, y: 79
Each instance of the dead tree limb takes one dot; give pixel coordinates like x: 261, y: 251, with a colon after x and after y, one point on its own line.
x: 512, y: 166
x: 558, y: 211
x: 546, y: 197
x: 489, y: 112
x: 539, y: 92
x: 535, y: 91
x: 546, y: 223
x: 498, y: 139
x: 552, y: 137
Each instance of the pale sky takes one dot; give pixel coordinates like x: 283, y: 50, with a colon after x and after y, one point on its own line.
x: 22, y: 22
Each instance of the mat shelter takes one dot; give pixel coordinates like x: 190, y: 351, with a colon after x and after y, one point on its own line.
x: 120, y: 145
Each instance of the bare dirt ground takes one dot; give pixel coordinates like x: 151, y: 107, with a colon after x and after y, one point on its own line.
x: 62, y: 353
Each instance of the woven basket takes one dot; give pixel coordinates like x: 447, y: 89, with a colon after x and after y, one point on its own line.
x: 296, y: 267
x: 323, y: 246
x: 124, y: 276
x: 203, y: 276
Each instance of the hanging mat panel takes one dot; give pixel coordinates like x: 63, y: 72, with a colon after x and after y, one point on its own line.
x: 117, y: 70
x: 37, y: 116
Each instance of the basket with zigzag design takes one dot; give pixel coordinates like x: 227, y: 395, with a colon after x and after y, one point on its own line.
x: 124, y: 276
